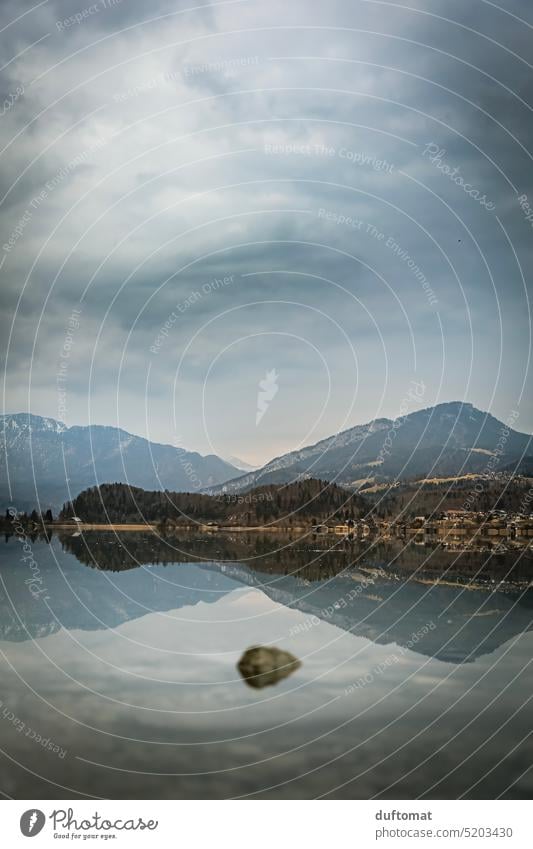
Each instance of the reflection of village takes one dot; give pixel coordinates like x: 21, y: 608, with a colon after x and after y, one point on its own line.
x: 458, y: 529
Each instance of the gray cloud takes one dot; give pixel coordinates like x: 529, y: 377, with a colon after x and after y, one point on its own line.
x: 288, y: 147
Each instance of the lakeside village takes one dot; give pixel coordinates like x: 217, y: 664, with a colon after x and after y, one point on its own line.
x: 458, y: 529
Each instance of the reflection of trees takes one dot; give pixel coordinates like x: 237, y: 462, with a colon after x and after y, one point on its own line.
x: 277, y: 553
x: 312, y: 557
x: 111, y: 552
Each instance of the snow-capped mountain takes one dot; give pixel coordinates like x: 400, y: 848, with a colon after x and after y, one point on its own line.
x: 42, y: 461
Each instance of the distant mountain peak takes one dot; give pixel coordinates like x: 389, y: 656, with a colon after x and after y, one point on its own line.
x: 240, y: 464
x: 49, y: 463
x: 18, y: 421
x: 452, y: 438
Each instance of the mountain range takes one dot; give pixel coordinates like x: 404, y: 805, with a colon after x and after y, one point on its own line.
x: 47, y: 462
x: 447, y: 440
x: 44, y: 457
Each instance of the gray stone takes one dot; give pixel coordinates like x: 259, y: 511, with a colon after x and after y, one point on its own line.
x: 262, y: 666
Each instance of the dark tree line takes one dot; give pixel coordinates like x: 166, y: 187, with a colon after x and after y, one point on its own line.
x: 34, y: 518
x: 308, y: 501
x: 302, y: 502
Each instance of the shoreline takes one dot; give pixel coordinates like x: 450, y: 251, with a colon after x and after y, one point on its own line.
x: 451, y: 540
x: 466, y: 578
x: 118, y: 526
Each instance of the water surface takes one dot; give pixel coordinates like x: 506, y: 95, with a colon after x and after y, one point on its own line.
x: 127, y: 663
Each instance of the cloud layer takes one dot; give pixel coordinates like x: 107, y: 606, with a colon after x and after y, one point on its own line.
x: 331, y: 191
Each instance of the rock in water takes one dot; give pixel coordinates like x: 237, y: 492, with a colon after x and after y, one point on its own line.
x: 262, y: 666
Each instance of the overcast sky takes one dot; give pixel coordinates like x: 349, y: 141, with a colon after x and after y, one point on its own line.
x: 196, y: 196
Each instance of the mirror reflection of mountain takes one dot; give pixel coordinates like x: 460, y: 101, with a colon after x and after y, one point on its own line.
x: 358, y: 587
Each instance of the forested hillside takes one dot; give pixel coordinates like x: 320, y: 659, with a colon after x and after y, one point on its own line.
x: 308, y: 501
x: 431, y: 499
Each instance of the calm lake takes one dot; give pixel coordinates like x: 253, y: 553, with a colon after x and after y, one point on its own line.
x: 119, y: 677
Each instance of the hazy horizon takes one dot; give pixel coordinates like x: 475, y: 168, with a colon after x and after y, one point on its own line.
x: 234, y: 459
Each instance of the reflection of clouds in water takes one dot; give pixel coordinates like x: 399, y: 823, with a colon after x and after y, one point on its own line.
x: 170, y: 677
x: 319, y: 685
